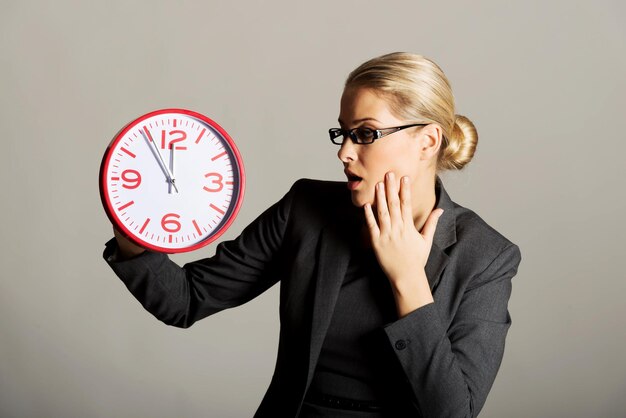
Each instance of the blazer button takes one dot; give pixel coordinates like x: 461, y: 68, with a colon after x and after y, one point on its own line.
x: 400, y: 344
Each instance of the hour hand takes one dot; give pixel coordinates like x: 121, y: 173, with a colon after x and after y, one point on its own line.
x: 173, y: 182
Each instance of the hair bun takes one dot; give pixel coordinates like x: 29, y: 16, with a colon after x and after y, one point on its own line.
x: 461, y: 144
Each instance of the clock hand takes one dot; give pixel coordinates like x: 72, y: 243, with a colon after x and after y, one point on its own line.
x: 172, y: 148
x: 156, y: 151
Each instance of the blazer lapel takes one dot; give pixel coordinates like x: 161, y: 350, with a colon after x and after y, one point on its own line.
x: 437, y: 261
x: 445, y: 236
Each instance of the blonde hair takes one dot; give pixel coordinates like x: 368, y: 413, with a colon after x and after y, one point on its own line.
x: 418, y: 90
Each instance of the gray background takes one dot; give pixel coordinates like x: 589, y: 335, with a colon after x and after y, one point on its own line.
x: 543, y: 82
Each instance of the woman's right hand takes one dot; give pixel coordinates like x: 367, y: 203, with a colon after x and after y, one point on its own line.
x: 126, y: 248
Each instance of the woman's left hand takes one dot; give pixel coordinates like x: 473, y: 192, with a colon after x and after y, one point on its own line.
x: 401, y: 250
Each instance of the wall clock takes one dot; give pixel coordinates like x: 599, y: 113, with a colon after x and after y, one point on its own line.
x: 172, y: 180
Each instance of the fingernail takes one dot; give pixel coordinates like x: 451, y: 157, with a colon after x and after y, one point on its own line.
x: 405, y: 180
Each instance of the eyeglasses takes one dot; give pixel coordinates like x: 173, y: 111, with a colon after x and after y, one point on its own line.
x: 364, y: 135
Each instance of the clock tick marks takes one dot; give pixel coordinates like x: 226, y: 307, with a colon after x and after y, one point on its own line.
x: 195, y: 224
x: 217, y: 209
x: 128, y: 152
x: 218, y: 156
x: 121, y: 208
x: 201, y: 135
x: 145, y: 224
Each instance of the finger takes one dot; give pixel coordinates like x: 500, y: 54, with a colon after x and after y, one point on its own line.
x: 381, y: 205
x: 393, y: 200
x: 370, y: 220
x: 405, y: 201
x: 428, y: 231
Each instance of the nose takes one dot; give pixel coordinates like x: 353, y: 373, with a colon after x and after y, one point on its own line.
x: 347, y: 151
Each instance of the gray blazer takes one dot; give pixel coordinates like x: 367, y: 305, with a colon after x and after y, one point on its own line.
x: 449, y: 350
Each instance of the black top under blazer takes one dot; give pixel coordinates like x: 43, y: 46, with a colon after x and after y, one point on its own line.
x: 449, y: 350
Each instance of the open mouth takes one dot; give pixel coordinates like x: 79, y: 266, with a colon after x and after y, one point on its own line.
x: 351, y: 176
x: 353, y: 180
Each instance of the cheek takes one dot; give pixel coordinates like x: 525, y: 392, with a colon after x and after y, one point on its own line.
x: 391, y: 159
x: 377, y: 159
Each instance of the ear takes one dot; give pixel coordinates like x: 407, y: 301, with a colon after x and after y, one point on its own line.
x: 430, y: 138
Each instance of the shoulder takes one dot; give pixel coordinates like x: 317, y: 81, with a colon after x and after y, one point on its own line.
x: 464, y: 228
x: 320, y: 186
x: 319, y: 194
x: 473, y: 230
x: 480, y: 249
x: 316, y: 202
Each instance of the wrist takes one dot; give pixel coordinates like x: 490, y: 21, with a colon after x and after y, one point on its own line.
x: 411, y: 293
x: 125, y: 248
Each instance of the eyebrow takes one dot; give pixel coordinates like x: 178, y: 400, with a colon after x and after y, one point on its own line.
x: 360, y: 120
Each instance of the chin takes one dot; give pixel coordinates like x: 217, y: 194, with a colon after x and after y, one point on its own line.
x: 359, y: 200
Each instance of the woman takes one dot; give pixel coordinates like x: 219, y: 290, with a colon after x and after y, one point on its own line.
x: 393, y: 298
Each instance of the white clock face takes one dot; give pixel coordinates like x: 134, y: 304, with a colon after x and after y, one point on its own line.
x: 172, y: 181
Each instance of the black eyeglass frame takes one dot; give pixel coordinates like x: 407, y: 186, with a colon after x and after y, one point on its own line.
x: 335, y: 133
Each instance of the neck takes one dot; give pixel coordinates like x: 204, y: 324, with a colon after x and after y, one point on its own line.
x: 424, y: 200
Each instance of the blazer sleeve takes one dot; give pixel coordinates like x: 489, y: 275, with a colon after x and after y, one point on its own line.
x: 451, y: 368
x: 240, y: 270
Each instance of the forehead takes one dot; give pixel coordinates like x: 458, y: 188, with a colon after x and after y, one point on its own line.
x: 360, y: 104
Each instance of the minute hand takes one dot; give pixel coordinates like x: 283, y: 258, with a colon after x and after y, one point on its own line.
x: 148, y: 137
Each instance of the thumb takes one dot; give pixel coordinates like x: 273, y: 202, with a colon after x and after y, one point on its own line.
x: 428, y: 231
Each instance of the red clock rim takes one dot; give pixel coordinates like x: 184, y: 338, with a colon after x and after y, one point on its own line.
x: 108, y: 207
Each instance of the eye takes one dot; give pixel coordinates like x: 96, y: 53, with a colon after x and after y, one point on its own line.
x: 364, y: 134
